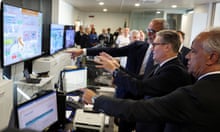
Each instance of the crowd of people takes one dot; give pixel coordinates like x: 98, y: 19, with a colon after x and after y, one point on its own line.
x: 87, y: 37
x: 164, y: 86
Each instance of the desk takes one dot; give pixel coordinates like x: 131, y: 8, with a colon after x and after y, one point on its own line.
x: 26, y: 90
x: 84, y: 121
x: 6, y: 102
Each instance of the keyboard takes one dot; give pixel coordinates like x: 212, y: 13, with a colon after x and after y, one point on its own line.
x: 33, y: 80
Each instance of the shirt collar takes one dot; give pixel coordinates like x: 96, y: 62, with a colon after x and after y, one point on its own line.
x: 210, y: 73
x: 161, y: 64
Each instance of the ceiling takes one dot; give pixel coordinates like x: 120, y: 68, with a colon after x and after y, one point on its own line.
x: 127, y: 6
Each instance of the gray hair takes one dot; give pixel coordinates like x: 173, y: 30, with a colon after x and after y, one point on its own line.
x: 163, y: 22
x: 212, y: 41
x: 172, y: 37
x: 135, y: 33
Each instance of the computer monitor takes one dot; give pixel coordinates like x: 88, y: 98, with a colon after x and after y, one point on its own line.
x: 74, y: 79
x: 22, y: 34
x: 38, y: 113
x: 69, y: 36
x: 56, y: 38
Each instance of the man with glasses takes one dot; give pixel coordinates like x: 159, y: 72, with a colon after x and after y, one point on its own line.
x: 169, y: 74
x: 192, y: 108
x: 139, y: 61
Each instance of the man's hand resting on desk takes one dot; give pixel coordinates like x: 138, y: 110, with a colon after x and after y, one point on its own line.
x: 107, y: 62
x: 88, y: 95
x: 74, y: 52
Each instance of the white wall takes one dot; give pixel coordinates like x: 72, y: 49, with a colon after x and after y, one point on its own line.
x: 67, y: 14
x: 105, y: 20
x: 66, y: 11
x: 217, y: 15
x: 193, y: 24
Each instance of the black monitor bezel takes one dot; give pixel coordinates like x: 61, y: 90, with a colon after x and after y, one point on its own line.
x: 69, y: 27
x: 49, y: 49
x: 43, y: 94
x: 2, y: 37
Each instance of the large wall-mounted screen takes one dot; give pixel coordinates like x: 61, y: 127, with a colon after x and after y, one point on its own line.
x: 22, y: 34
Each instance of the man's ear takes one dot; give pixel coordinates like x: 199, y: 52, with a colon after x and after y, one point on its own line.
x: 213, y: 58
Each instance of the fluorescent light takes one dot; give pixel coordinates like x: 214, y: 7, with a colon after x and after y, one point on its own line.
x: 137, y: 4
x: 158, y: 12
x: 174, y: 6
x: 101, y: 3
x: 105, y: 10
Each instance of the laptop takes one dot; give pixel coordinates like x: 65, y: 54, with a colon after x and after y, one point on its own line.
x: 28, y: 78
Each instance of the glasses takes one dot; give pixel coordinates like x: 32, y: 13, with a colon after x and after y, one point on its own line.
x: 151, y: 30
x: 154, y: 44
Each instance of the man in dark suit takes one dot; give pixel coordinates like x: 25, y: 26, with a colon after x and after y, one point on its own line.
x: 138, y: 55
x: 162, y: 82
x: 79, y: 35
x: 135, y: 53
x: 192, y: 108
x: 183, y: 51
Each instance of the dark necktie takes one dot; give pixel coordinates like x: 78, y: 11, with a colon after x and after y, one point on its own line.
x: 150, y: 64
x: 156, y: 69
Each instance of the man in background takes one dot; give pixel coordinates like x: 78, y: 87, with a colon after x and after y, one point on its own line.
x: 183, y: 51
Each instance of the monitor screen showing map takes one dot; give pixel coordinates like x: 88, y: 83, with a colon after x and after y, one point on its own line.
x: 22, y: 34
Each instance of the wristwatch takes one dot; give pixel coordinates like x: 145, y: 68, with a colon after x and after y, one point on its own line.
x: 115, y: 72
x: 94, y: 98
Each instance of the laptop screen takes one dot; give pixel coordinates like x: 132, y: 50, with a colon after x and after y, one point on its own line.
x: 38, y: 113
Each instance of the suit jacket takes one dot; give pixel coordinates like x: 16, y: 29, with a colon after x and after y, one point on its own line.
x: 182, y: 55
x: 78, y: 37
x: 170, y: 76
x: 135, y: 53
x: 194, y: 108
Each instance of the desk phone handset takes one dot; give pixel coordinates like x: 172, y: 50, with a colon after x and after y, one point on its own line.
x: 28, y: 78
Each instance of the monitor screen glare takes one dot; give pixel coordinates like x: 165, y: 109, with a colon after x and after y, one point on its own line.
x: 69, y: 36
x: 22, y: 34
x: 38, y: 114
x: 75, y: 79
x: 56, y: 38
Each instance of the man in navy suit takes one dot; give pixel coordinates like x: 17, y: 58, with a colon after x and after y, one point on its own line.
x: 192, y: 108
x: 138, y: 55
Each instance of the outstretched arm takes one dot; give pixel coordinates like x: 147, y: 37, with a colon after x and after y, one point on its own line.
x: 74, y: 52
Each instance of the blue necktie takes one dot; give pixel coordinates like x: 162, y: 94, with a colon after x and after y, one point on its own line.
x: 150, y: 64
